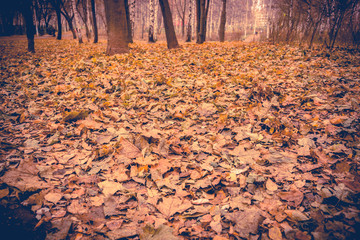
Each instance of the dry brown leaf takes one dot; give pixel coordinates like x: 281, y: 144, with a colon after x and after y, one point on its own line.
x: 275, y: 233
x: 77, y: 208
x: 109, y: 188
x: 128, y: 149
x: 294, y: 197
x: 171, y: 205
x: 271, y: 186
x: 53, y: 197
x: 296, y: 215
x: 114, y: 224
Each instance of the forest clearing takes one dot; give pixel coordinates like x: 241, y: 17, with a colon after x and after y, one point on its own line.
x: 213, y: 141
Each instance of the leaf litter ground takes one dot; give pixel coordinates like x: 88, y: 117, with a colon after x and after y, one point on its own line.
x: 216, y: 141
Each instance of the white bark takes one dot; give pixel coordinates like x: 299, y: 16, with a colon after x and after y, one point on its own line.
x: 76, y: 21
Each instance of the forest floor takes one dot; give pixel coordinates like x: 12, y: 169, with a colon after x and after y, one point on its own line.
x: 214, y: 141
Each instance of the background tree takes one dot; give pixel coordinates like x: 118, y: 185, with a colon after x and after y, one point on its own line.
x: 57, y: 6
x: 128, y: 21
x: 168, y: 24
x: 76, y: 21
x: 131, y: 4
x: 83, y: 14
x: 27, y: 12
x: 117, y: 32
x: 151, y: 20
x: 202, y: 9
x: 66, y: 11
x: 222, y: 22
x: 181, y: 11
x: 189, y: 24
x: 94, y: 22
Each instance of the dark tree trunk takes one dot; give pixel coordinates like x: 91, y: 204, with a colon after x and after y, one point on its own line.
x: 30, y: 28
x: 128, y: 22
x: 222, y: 22
x: 96, y: 35
x: 168, y: 24
x: 117, y: 31
x: 56, y: 5
x: 198, y: 17
x: 202, y: 9
x: 70, y: 24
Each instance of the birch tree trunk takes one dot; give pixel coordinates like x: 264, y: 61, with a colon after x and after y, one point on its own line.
x: 132, y: 16
x: 189, y: 24
x: 76, y: 22
x: 151, y: 20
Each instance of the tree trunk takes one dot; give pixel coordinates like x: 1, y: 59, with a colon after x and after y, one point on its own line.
x: 96, y: 35
x: 246, y: 19
x: 132, y: 17
x: 168, y: 24
x: 151, y: 20
x: 128, y: 21
x: 70, y: 24
x: 30, y: 28
x: 189, y: 26
x: 202, y: 9
x: 117, y: 31
x: 37, y: 23
x: 76, y: 22
x: 82, y: 12
x: 222, y: 22
x: 58, y: 16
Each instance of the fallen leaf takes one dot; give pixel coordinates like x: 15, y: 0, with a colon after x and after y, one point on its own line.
x: 161, y: 233
x: 109, y: 188
x: 4, y: 192
x: 53, y: 197
x: 271, y: 186
x: 171, y: 205
x: 250, y: 221
x: 294, y: 197
x: 275, y: 233
x: 128, y: 149
x: 114, y: 224
x: 296, y: 215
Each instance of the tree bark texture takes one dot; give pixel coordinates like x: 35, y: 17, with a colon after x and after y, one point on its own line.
x: 189, y: 25
x: 132, y: 16
x: 151, y: 20
x: 82, y: 12
x: 117, y: 31
x: 202, y: 9
x: 128, y: 21
x: 76, y: 22
x: 56, y: 5
x: 69, y: 20
x: 30, y: 28
x: 168, y: 24
x: 94, y: 22
x: 222, y: 22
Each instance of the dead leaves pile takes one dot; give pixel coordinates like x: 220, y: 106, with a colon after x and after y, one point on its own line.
x: 222, y: 141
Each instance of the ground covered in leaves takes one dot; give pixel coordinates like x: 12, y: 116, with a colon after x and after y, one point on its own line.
x: 212, y: 141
